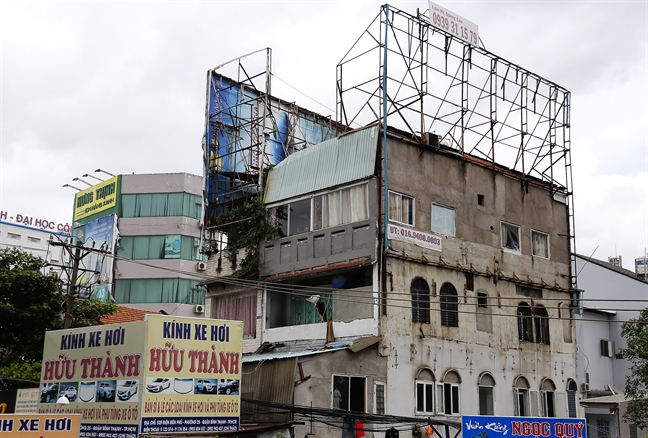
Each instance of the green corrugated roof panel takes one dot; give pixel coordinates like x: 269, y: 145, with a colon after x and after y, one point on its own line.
x: 328, y: 164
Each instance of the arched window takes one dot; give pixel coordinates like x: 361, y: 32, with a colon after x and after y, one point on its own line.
x: 449, y: 306
x: 547, y: 398
x: 425, y: 391
x: 420, y: 301
x: 525, y: 322
x: 521, y: 397
x: 448, y: 401
x: 541, y: 325
x: 571, y: 398
x: 485, y: 389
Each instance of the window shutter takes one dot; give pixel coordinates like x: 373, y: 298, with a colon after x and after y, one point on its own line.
x: 560, y: 399
x: 533, y: 403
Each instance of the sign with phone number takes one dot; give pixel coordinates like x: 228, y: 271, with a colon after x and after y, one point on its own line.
x: 418, y: 238
x: 454, y: 24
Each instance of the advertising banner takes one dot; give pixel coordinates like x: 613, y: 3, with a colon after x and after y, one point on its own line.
x: 499, y: 427
x: 27, y: 401
x: 96, y: 268
x: 163, y: 374
x: 240, y: 132
x: 96, y: 199
x: 408, y: 235
x: 192, y: 375
x: 99, y: 370
x: 39, y: 426
x: 454, y: 24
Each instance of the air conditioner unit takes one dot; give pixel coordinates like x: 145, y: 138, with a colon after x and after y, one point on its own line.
x: 585, y: 387
x: 201, y: 266
x: 199, y: 308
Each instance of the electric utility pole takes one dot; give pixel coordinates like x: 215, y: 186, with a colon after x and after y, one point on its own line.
x: 79, y: 253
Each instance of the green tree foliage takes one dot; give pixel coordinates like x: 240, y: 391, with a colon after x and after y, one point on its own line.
x: 635, y: 331
x: 249, y: 229
x: 30, y: 305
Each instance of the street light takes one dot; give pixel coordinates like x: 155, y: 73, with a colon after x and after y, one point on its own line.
x: 76, y: 178
x: 103, y: 171
x: 91, y: 176
x: 69, y: 185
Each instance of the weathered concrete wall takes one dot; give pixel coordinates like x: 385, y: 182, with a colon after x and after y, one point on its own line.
x: 318, y: 390
x: 486, y: 340
x: 452, y: 182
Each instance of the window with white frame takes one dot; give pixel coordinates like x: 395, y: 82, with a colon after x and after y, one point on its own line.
x: 425, y: 392
x: 521, y: 397
x: 337, y: 207
x: 379, y: 398
x: 548, y: 398
x: 401, y: 208
x: 448, y: 394
x: 540, y: 244
x: 443, y: 220
x: 349, y: 393
x: 510, y: 236
x: 485, y: 393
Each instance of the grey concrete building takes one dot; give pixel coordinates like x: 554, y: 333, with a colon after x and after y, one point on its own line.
x: 611, y: 295
x: 159, y: 263
x: 464, y: 307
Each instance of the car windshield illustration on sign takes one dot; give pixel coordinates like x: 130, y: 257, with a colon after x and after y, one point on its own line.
x: 158, y: 384
x: 87, y: 392
x: 126, y: 389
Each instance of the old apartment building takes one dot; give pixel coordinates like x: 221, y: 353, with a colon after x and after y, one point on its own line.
x: 465, y: 309
x: 421, y: 267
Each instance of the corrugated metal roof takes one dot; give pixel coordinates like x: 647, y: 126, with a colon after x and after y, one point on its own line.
x: 334, y: 162
x: 287, y: 354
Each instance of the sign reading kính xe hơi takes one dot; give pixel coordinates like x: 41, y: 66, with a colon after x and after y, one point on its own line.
x: 507, y: 427
x: 454, y: 24
x: 96, y: 199
x: 39, y: 426
x: 164, y: 374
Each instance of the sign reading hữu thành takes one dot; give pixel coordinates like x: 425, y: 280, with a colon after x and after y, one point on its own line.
x: 193, y: 372
x: 164, y: 374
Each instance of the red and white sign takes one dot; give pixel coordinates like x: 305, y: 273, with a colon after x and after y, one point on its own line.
x: 424, y: 240
x: 452, y: 23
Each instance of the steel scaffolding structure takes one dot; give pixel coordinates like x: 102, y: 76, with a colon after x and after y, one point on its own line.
x: 478, y: 104
x: 246, y: 131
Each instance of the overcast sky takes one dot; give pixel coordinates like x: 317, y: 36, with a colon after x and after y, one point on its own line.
x: 121, y: 87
